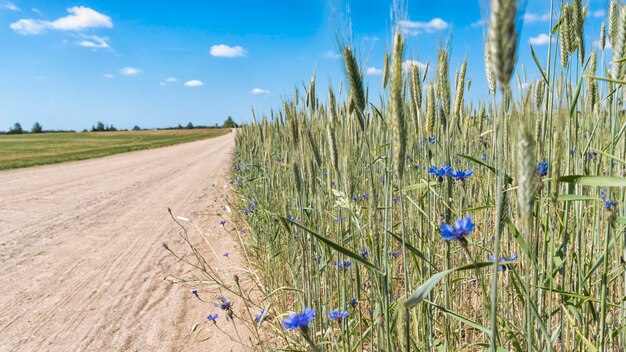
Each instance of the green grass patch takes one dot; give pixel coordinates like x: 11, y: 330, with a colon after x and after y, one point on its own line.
x: 49, y: 148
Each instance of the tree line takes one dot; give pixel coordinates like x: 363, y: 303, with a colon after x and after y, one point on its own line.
x: 101, y: 127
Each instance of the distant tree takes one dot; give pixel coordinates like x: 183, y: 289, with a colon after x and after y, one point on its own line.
x: 180, y: 127
x: 230, y: 123
x: 37, y: 128
x: 16, y: 129
x: 111, y: 128
x: 189, y: 126
x: 136, y: 128
x: 98, y: 128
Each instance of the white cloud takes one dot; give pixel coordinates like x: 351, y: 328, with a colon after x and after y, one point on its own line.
x: 478, y: 23
x: 408, y: 64
x: 417, y: 27
x: 11, y: 6
x: 194, y: 83
x: 93, y: 41
x: 130, y: 71
x: 373, y: 71
x: 108, y: 75
x: 169, y: 80
x: 79, y: 18
x: 222, y: 50
x: 598, y: 13
x: 28, y: 27
x: 258, y: 91
x: 330, y: 54
x: 82, y: 18
x: 530, y: 17
x: 541, y: 39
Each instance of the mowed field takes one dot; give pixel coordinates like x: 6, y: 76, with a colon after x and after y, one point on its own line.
x: 49, y: 148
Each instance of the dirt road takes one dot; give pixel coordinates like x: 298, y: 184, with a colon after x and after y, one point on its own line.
x: 81, y: 262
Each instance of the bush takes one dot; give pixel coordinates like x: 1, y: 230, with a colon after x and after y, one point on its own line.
x: 16, y: 129
x: 37, y: 128
x: 230, y: 123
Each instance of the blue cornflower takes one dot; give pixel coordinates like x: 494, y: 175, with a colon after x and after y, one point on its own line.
x: 395, y: 200
x: 610, y: 204
x: 592, y: 155
x: 432, y: 139
x: 342, y: 265
x: 246, y: 211
x: 325, y: 174
x: 365, y: 253
x: 441, y: 173
x: 503, y: 259
x: 395, y: 254
x: 259, y: 316
x: 224, y: 304
x: 365, y: 196
x: 223, y: 222
x: 461, y: 228
x: 542, y: 169
x: 338, y: 315
x: 354, y: 198
x: 289, y: 217
x: 212, y: 317
x: 337, y: 219
x: 194, y: 292
x: 603, y: 193
x: 353, y: 302
x: 461, y: 175
x: 226, y: 254
x: 299, y: 320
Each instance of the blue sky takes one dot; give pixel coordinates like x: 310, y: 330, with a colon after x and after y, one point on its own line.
x: 69, y: 64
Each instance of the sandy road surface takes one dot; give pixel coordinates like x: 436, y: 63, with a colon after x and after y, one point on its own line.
x: 81, y: 261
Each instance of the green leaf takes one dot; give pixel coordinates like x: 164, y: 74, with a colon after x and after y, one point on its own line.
x: 556, y: 27
x: 543, y: 74
x: 572, y: 108
x: 334, y: 245
x: 424, y: 290
x: 607, y: 79
x: 413, y: 250
x: 573, y: 198
x: 493, y: 169
x: 598, y: 181
x: 590, y: 346
x: 621, y: 220
x: 519, y: 238
x: 609, y: 156
x: 461, y: 318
